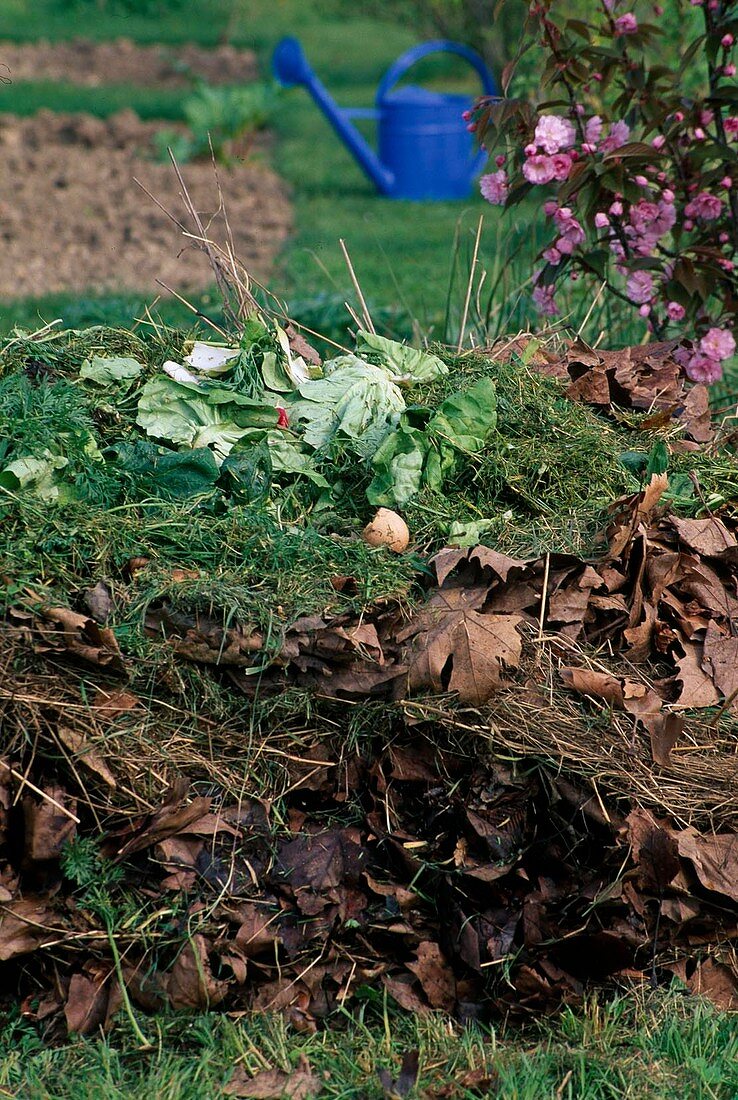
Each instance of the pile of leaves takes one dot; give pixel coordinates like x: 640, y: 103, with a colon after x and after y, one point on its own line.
x: 250, y: 760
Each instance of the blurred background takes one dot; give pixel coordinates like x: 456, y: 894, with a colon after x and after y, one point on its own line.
x: 97, y: 90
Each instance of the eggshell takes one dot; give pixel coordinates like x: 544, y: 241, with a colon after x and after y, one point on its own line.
x: 387, y: 529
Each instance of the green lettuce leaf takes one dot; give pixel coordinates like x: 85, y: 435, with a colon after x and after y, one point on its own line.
x: 38, y: 475
x: 110, y: 371
x: 466, y: 419
x: 355, y: 400
x: 200, y: 416
x: 178, y: 474
x: 398, y: 468
x: 404, y: 363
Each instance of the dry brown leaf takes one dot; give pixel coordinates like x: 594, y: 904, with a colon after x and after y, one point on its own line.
x: 708, y: 537
x: 111, y: 704
x: 401, y: 988
x: 599, y: 685
x: 717, y: 982
x: 714, y: 858
x: 259, y: 929
x: 190, y: 982
x: 455, y: 648
x: 173, y: 817
x: 665, y: 731
x: 26, y: 924
x: 435, y: 976
x: 92, y: 1001
x: 720, y: 655
x: 85, y: 754
x: 698, y: 689
x: 275, y: 1084
x: 80, y: 637
x: 47, y: 828
x: 654, y: 850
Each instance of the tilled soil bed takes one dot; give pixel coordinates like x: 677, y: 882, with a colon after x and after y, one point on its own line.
x: 72, y: 217
x: 122, y: 61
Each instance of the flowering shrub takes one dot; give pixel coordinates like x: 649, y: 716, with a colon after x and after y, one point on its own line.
x: 636, y: 164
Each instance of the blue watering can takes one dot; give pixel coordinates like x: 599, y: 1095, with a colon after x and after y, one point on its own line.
x: 425, y: 150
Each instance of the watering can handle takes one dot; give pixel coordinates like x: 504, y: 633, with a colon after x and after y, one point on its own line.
x: 442, y: 45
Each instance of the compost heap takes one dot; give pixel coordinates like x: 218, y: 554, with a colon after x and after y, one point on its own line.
x: 250, y: 760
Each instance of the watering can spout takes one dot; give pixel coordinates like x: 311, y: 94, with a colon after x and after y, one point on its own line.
x: 291, y: 67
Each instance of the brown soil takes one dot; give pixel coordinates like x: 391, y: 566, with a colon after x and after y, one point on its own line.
x: 123, y: 62
x: 73, y: 219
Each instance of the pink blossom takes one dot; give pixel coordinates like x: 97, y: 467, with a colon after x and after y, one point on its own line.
x: 731, y: 125
x: 539, y: 169
x: 550, y: 207
x: 640, y: 287
x: 552, y: 255
x: 495, y: 187
x: 500, y: 160
x: 687, y: 225
x: 726, y: 182
x: 562, y: 164
x: 718, y: 343
x: 727, y: 41
x: 618, y: 134
x: 616, y: 209
x: 601, y: 220
x: 667, y: 195
x: 701, y: 368
x: 644, y: 310
x: 530, y: 150
x: 729, y: 69
x: 675, y: 311
x: 565, y: 245
x: 707, y: 117
x: 641, y: 181
x: 705, y: 206
x: 543, y: 299
x: 699, y: 134
x: 626, y: 24
x: 724, y: 238
x: 554, y: 133
x: 593, y: 130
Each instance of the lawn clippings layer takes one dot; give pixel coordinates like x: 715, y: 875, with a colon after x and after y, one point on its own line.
x: 251, y: 762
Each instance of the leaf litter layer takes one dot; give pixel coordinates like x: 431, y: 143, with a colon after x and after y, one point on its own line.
x: 249, y: 760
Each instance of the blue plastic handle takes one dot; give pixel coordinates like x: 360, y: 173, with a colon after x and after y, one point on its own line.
x: 442, y: 45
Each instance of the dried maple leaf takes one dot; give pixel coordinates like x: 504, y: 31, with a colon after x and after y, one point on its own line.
x: 707, y: 537
x: 456, y: 648
x: 720, y: 655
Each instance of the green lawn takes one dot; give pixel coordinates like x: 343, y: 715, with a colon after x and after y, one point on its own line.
x: 633, y: 1047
